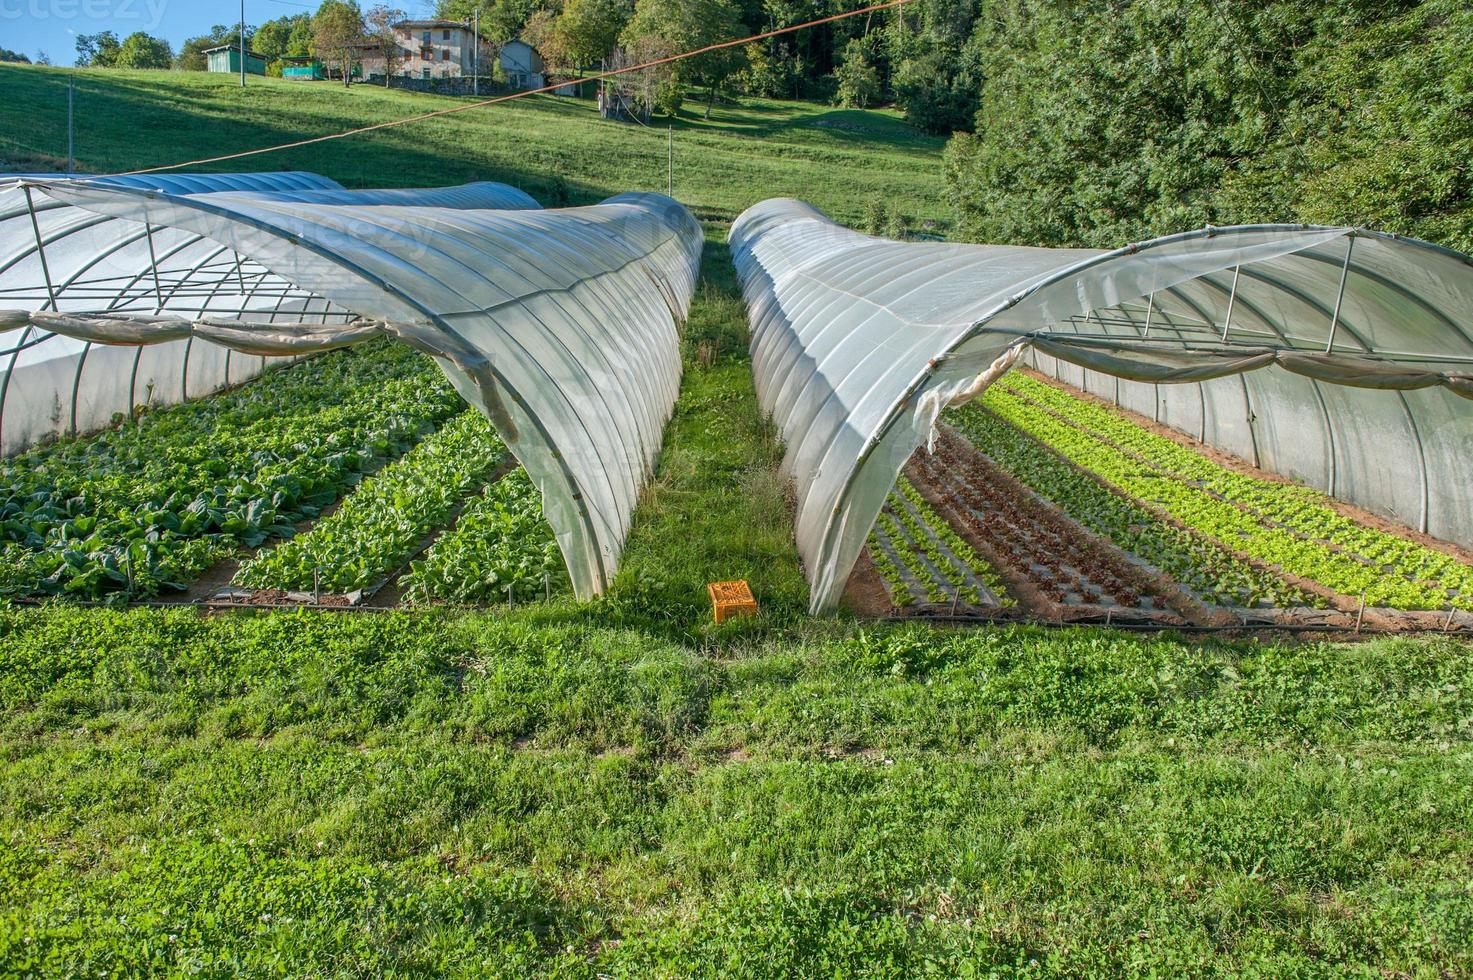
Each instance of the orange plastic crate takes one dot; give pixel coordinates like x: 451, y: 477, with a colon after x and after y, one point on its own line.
x: 730, y: 599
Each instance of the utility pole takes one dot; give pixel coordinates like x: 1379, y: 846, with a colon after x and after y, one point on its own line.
x: 476, y: 51
x: 242, y: 43
x: 71, y: 90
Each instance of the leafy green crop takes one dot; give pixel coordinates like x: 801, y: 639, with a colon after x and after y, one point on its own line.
x: 501, y: 540
x: 1204, y: 496
x: 153, y: 502
x: 930, y: 549
x: 1200, y: 565
x: 1300, y: 511
x: 378, y: 526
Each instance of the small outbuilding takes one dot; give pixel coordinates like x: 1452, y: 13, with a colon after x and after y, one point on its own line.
x: 226, y: 58
x: 522, y: 65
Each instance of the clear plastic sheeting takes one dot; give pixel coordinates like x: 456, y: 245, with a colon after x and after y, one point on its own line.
x: 562, y: 326
x: 1336, y: 356
x: 55, y: 258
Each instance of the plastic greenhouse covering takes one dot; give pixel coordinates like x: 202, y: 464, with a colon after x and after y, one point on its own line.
x: 562, y: 326
x: 1339, y: 357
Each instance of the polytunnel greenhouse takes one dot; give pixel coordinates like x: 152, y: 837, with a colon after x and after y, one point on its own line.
x: 562, y: 326
x: 1339, y: 357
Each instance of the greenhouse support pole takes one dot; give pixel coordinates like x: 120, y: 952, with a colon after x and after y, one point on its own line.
x: 153, y: 264
x: 670, y: 162
x: 242, y: 44
x: 476, y: 51
x: 41, y: 253
x: 1232, y: 299
x: 1150, y: 308
x: 1340, y: 296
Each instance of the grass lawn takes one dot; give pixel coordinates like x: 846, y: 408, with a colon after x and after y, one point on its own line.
x: 621, y: 789
x: 543, y: 144
x: 491, y: 796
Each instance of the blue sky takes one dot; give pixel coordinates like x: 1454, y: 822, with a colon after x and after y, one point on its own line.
x: 29, y: 26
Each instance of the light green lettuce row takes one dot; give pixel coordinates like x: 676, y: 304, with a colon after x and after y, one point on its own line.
x: 1216, y: 518
x: 1303, y: 510
x: 501, y: 540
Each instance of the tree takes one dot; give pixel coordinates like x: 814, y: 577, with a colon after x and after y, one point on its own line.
x: 337, y: 30
x: 859, y: 83
x: 542, y: 32
x: 684, y: 25
x: 303, y: 37
x: 501, y: 20
x: 270, y: 40
x: 643, y: 90
x: 773, y: 71
x: 98, y: 50
x: 13, y: 56
x: 590, y: 28
x: 381, y: 20
x: 140, y: 50
x: 935, y: 95
x: 42, y: 58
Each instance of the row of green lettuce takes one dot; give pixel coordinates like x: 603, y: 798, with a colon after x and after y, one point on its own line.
x: 1302, y: 511
x: 147, y: 505
x: 1206, y: 569
x: 1275, y: 526
x: 488, y: 543
x: 911, y: 534
x: 385, y: 520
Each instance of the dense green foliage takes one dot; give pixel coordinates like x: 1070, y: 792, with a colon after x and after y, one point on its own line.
x: 137, y: 50
x: 156, y: 500
x: 920, y: 56
x: 413, y: 793
x: 1107, y: 123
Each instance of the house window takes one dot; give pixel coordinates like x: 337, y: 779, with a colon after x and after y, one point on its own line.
x: 425, y: 38
x: 425, y: 73
x: 445, y: 55
x: 444, y: 35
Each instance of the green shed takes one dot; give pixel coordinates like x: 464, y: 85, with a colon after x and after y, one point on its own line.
x: 226, y: 58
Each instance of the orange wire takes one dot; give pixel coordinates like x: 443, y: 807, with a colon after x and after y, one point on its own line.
x: 518, y: 95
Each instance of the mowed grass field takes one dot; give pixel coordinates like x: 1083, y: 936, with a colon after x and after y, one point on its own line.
x: 621, y: 789
x: 837, y: 159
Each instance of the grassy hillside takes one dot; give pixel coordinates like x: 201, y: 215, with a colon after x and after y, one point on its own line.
x: 743, y: 154
x: 621, y: 789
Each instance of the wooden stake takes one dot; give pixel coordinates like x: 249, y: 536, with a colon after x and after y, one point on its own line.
x: 1361, y: 614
